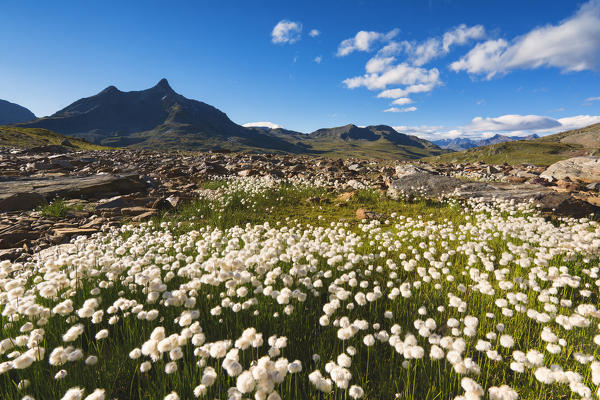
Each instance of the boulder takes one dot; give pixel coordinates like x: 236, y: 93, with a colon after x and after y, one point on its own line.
x: 35, y: 190
x: 583, y: 169
x: 437, y: 186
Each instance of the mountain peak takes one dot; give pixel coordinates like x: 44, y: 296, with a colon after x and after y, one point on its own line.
x: 111, y: 89
x: 164, y: 84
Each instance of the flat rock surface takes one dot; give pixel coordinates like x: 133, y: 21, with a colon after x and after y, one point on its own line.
x: 437, y: 186
x: 70, y: 186
x: 584, y: 169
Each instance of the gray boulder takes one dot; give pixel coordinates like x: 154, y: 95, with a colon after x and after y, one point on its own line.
x: 584, y: 169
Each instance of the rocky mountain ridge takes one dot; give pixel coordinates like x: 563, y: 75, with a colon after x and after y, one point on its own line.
x: 160, y: 118
x: 459, y: 144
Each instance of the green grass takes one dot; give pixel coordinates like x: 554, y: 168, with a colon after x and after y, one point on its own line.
x: 518, y: 152
x: 378, y: 370
x: 58, y: 208
x: 11, y: 136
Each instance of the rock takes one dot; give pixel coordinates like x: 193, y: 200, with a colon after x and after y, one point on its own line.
x: 144, y: 216
x: 246, y: 172
x: 356, y: 185
x: 567, y: 185
x: 113, y: 202
x: 162, y: 204
x: 77, y: 214
x: 173, y: 200
x: 71, y: 186
x: 20, y: 201
x: 10, y: 254
x: 437, y: 186
x: 594, y: 186
x: 74, y: 231
x: 66, y: 143
x: 133, y: 211
x: 362, y: 213
x: 94, y: 223
x: 584, y: 169
x: 51, y: 148
x: 346, y: 196
x: 16, y: 236
x: 408, y: 169
x: 515, y: 179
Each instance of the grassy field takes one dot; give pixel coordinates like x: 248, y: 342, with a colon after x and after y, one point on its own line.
x: 11, y: 136
x: 264, y: 289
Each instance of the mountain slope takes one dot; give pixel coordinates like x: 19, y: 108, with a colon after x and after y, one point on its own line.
x: 159, y: 118
x: 382, y: 140
x: 12, y: 136
x: 541, y: 151
x: 11, y: 113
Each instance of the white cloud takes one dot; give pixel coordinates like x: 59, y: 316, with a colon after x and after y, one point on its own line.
x: 396, y: 109
x: 418, y: 88
x: 420, y: 53
x: 508, y: 125
x: 363, y: 41
x: 401, y: 74
x: 461, y: 35
x: 578, y: 121
x: 318, y: 59
x: 593, y: 99
x: 428, y: 132
x: 379, y: 64
x: 262, y: 124
x: 314, y: 33
x: 424, y: 52
x: 286, y: 32
x: 512, y: 122
x: 402, y: 101
x: 572, y: 45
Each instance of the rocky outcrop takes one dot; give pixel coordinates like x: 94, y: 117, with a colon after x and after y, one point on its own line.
x: 26, y: 193
x: 429, y: 185
x: 582, y: 169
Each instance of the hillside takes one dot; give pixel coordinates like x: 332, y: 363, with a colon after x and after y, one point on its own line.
x: 11, y: 113
x: 380, y: 140
x: 542, y: 151
x: 160, y: 118
x: 11, y: 136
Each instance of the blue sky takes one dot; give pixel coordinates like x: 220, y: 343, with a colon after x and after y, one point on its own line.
x: 431, y: 68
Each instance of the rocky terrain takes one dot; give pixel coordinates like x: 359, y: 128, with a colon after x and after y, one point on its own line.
x: 104, y: 188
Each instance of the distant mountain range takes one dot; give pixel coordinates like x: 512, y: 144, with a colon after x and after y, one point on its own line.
x: 542, y: 151
x: 11, y: 113
x: 460, y: 144
x: 159, y: 118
